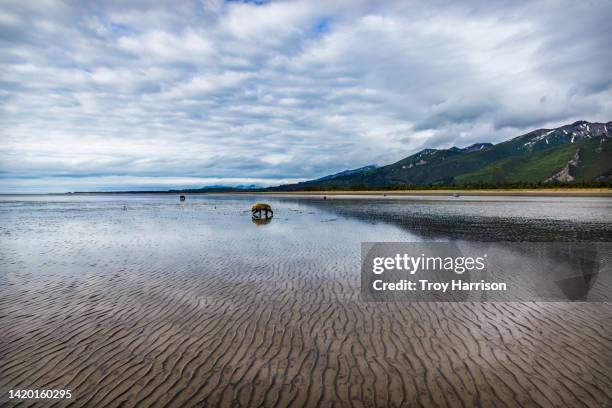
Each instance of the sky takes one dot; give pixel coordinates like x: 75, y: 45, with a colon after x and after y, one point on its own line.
x: 118, y: 95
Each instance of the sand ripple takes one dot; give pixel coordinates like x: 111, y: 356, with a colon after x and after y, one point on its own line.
x: 184, y: 317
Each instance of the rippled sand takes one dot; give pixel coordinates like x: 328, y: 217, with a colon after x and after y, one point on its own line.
x: 194, y: 305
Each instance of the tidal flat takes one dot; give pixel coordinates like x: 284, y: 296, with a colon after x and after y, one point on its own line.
x: 142, y: 300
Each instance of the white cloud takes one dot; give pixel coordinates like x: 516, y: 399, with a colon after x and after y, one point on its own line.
x: 152, y: 93
x: 160, y: 46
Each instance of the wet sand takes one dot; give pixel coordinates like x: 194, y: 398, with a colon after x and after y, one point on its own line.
x: 155, y: 307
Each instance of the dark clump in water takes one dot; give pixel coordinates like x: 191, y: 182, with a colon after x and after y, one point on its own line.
x: 506, y: 219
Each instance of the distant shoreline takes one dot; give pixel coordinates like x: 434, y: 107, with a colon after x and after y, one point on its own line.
x: 570, y: 192
x: 551, y: 192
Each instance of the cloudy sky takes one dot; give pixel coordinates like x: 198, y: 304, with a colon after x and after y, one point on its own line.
x: 153, y: 94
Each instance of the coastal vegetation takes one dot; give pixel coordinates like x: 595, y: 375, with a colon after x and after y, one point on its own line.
x: 578, y: 155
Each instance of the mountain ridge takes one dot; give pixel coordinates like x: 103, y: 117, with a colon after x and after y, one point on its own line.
x: 574, y: 153
x: 347, y: 172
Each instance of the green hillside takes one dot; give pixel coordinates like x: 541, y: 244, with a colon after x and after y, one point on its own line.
x: 530, y: 168
x: 576, y: 153
x: 596, y: 156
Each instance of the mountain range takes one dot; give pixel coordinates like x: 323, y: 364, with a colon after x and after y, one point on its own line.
x: 577, y: 153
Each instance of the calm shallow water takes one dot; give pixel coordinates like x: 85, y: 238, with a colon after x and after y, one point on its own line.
x: 67, y: 234
x: 45, y: 231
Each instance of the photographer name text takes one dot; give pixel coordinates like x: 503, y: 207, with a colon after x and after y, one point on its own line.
x: 426, y: 285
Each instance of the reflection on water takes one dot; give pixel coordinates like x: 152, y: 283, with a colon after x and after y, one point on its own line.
x: 75, y: 232
x: 484, y: 218
x: 261, y: 221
